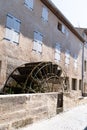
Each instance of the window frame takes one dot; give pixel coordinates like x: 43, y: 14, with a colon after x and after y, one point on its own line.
x: 29, y: 6
x: 59, y: 26
x: 62, y: 28
x: 74, y: 84
x: 57, y: 52
x: 12, y: 30
x: 38, y: 42
x: 75, y: 62
x: 45, y: 16
x: 67, y: 57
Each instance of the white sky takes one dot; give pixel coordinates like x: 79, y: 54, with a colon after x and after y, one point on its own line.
x: 74, y: 10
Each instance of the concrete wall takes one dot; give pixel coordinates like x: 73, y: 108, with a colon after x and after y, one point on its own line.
x: 20, y: 110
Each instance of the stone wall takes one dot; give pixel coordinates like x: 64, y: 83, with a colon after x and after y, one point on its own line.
x: 71, y: 101
x: 13, y: 55
x: 19, y: 110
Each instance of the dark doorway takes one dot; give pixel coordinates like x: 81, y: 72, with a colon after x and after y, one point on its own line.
x: 74, y: 84
x: 80, y: 84
x: 60, y: 103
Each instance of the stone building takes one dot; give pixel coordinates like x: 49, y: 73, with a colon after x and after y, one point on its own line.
x: 35, y: 30
x: 83, y: 33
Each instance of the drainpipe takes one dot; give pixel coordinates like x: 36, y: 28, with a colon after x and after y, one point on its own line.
x: 82, y: 87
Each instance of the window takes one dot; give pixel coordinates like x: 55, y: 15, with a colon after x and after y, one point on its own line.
x: 67, y: 57
x: 66, y: 32
x: 61, y: 28
x: 57, y: 52
x: 75, y: 62
x: 84, y: 35
x: 12, y: 29
x: 29, y: 4
x: 38, y: 37
x: 85, y: 65
x: 74, y: 84
x: 45, y: 14
x: 80, y: 84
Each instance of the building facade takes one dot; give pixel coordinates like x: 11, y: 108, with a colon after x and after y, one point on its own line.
x: 35, y: 30
x: 83, y: 33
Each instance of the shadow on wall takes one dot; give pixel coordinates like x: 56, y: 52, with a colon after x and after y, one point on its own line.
x: 25, y: 29
x: 85, y: 128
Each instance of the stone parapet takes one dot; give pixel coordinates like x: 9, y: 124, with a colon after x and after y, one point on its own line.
x: 71, y: 102
x: 19, y: 110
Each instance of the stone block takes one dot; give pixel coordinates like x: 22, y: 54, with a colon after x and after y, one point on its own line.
x: 9, y: 103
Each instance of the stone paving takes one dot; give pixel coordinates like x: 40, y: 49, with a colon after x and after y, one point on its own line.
x: 74, y: 119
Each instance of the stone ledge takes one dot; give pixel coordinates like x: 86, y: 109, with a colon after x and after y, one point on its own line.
x: 19, y: 110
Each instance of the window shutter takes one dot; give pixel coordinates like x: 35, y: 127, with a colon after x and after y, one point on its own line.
x: 63, y: 29
x: 29, y: 3
x: 12, y: 29
x: 15, y: 37
x: 35, y: 46
x: 57, y: 56
x: 67, y: 58
x: 75, y: 65
x: 35, y: 36
x: 35, y: 41
x: 38, y: 42
x: 40, y: 38
x: 75, y: 62
x: 57, y: 48
x: 16, y: 25
x: 39, y: 49
x: 8, y: 34
x: 45, y: 13
x: 67, y: 33
x: 57, y: 52
x: 67, y: 54
x: 10, y: 23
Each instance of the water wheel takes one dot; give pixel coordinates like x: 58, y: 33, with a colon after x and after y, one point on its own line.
x: 35, y: 77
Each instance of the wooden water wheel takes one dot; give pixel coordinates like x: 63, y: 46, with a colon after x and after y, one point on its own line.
x: 35, y: 77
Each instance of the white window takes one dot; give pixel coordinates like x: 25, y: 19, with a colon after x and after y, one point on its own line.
x: 63, y: 29
x: 29, y: 4
x: 67, y: 57
x: 66, y: 32
x: 12, y: 29
x: 57, y: 52
x: 38, y: 37
x: 45, y: 14
x: 75, y: 62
